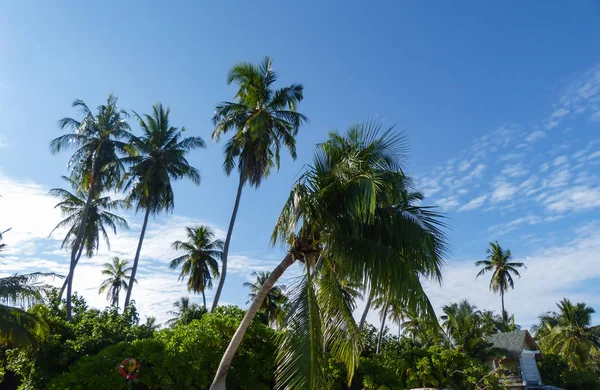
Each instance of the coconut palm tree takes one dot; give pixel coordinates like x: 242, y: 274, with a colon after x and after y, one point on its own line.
x: 118, y: 277
x: 159, y: 157
x: 498, y: 262
x: 466, y: 328
x: 569, y: 332
x: 275, y: 299
x: 96, y: 166
x: 185, y: 312
x: 99, y: 219
x: 353, y: 210
x: 263, y: 119
x: 17, y: 292
x: 200, y: 261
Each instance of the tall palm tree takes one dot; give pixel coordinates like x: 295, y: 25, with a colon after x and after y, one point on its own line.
x: 263, y: 119
x: 118, y: 277
x: 185, y: 312
x: 200, y: 261
x: 99, y: 140
x: 498, y: 262
x: 274, y: 300
x: 352, y: 211
x: 570, y: 333
x: 99, y: 218
x: 158, y: 159
x: 466, y: 328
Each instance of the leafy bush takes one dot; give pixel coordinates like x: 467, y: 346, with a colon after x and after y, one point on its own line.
x: 185, y: 357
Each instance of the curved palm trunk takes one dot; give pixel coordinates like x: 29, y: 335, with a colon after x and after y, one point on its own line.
x: 363, y: 318
x: 221, y: 375
x: 204, y: 298
x: 227, y: 241
x: 77, y: 244
x: 64, y: 286
x: 136, y: 260
x: 380, y: 336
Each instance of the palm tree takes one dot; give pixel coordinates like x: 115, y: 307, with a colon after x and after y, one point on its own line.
x: 498, y: 262
x: 185, y: 312
x: 466, y: 328
x: 274, y: 300
x: 263, y: 118
x: 420, y: 329
x: 95, y: 165
x: 570, y: 333
x: 99, y: 218
x: 352, y: 211
x: 17, y: 326
x: 158, y: 159
x: 118, y: 277
x: 200, y: 261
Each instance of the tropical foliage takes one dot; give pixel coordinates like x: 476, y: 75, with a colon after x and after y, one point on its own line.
x: 274, y: 302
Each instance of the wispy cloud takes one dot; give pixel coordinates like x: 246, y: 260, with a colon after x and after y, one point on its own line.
x: 503, y: 191
x: 474, y: 203
x: 535, y: 135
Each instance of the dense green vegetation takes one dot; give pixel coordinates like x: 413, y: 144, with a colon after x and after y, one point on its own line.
x: 354, y: 225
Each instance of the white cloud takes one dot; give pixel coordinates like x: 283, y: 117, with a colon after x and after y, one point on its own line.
x: 515, y: 170
x: 503, y: 191
x: 560, y: 160
x: 544, y: 167
x: 574, y: 199
x: 535, y: 135
x: 559, y: 113
x: 560, y: 178
x: 464, y: 166
x: 3, y: 143
x: 463, y: 191
x: 474, y: 203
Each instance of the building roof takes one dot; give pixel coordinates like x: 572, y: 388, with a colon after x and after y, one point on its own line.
x: 512, y: 344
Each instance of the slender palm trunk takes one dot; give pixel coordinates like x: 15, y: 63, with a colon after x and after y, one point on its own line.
x: 204, y: 299
x: 78, y: 242
x: 221, y: 375
x: 363, y: 318
x: 502, y: 295
x: 227, y: 241
x: 384, y: 316
x: 117, y: 300
x: 136, y: 260
x: 64, y: 286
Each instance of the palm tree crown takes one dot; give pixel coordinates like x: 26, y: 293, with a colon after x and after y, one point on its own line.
x: 273, y: 304
x: 263, y: 119
x: 118, y: 277
x: 200, y: 261
x: 498, y: 262
x: 157, y: 158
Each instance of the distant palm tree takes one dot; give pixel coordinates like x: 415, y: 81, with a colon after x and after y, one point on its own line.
x: 151, y: 324
x: 570, y: 333
x: 158, y: 159
x: 200, y: 261
x: 274, y: 301
x: 498, y: 262
x: 185, y: 312
x: 419, y: 328
x: 262, y: 119
x: 99, y: 218
x: 466, y: 328
x: 118, y: 277
x: 96, y: 164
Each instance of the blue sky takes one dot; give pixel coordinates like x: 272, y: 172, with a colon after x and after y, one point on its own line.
x: 500, y: 103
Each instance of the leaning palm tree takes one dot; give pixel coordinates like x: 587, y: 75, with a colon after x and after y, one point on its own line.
x: 263, y: 119
x: 353, y: 212
x: 274, y: 301
x: 498, y: 262
x: 158, y: 159
x: 118, y: 278
x: 200, y: 261
x: 95, y: 165
x: 570, y: 333
x: 99, y: 219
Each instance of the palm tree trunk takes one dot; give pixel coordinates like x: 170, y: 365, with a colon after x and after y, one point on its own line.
x: 227, y: 241
x: 204, y: 298
x: 221, y: 375
x: 384, y: 316
x: 363, y: 318
x: 136, y: 260
x: 78, y: 243
x: 502, y: 295
x: 64, y: 286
